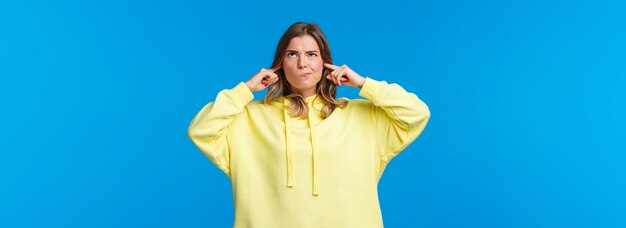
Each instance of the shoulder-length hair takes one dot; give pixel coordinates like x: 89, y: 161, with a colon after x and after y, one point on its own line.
x: 325, y: 88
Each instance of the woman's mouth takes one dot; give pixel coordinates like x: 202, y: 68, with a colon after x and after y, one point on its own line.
x: 306, y: 75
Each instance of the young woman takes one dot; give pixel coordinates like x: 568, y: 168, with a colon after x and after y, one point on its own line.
x: 300, y: 157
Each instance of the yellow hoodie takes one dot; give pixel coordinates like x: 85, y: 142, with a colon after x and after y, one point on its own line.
x: 313, y: 172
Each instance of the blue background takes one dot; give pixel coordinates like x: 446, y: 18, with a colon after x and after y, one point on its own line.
x: 527, y: 103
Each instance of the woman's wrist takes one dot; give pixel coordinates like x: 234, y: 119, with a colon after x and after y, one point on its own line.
x: 362, y: 82
x: 248, y: 85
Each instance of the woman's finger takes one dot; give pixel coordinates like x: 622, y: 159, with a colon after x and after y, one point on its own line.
x: 274, y: 69
x: 335, y: 71
x: 261, y: 74
x: 340, y: 75
x: 337, y: 78
x: 340, y: 71
x: 268, y: 75
x: 331, y: 77
x: 271, y: 74
x: 334, y: 76
x: 273, y: 78
x: 330, y: 66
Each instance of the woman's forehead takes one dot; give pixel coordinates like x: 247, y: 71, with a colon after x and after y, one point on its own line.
x: 303, y: 43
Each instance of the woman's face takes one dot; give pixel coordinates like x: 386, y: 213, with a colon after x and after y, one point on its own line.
x: 303, y: 65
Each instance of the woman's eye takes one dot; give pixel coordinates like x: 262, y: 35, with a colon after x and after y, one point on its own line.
x: 312, y: 54
x: 291, y: 54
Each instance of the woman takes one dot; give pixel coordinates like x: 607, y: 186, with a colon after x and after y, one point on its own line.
x: 300, y: 157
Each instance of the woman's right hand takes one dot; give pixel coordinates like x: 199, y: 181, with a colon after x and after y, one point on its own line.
x: 262, y: 79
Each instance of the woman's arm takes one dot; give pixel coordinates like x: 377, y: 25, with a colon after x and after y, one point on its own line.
x: 209, y: 129
x: 398, y: 117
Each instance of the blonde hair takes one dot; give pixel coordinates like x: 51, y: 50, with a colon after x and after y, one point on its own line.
x: 326, y: 89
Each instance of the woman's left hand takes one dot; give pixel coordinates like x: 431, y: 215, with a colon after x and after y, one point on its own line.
x: 344, y: 75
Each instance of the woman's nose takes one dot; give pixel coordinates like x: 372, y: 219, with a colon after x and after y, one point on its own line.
x: 302, y: 63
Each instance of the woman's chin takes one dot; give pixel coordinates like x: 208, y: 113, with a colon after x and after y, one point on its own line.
x: 305, y: 86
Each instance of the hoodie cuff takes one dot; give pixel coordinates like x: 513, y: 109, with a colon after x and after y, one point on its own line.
x: 242, y: 93
x: 371, y: 88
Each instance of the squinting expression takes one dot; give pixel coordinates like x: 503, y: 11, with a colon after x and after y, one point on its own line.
x: 303, y: 65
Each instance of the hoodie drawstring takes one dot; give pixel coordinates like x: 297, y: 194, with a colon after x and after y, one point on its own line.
x: 289, y: 152
x: 315, y: 155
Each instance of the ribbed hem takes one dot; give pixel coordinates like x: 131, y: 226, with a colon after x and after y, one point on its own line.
x: 371, y: 89
x: 243, y: 93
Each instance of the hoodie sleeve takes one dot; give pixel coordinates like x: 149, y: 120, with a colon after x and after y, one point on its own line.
x: 210, y: 128
x: 398, y: 117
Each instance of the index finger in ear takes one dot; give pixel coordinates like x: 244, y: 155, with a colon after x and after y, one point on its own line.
x: 275, y: 69
x: 330, y: 66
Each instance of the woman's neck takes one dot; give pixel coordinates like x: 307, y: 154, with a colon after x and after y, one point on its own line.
x: 306, y: 93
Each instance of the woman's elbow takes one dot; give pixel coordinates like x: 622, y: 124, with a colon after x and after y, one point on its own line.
x: 424, y: 112
x: 192, y: 132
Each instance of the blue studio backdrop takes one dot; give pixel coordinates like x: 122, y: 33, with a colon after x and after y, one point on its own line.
x: 526, y: 97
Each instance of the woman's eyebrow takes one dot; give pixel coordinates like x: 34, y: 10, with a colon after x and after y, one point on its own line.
x: 306, y: 51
